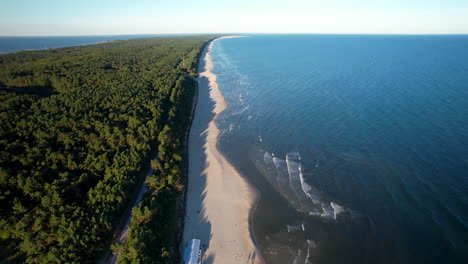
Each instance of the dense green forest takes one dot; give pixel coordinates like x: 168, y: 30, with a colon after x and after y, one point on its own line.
x: 149, y: 240
x: 78, y: 128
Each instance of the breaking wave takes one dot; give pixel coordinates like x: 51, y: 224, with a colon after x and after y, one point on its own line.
x: 287, y: 176
x: 292, y: 228
x: 241, y: 111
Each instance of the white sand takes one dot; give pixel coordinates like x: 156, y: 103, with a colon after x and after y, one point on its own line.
x: 219, y: 200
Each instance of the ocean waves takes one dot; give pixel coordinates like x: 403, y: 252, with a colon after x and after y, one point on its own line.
x: 356, y: 144
x: 287, y: 176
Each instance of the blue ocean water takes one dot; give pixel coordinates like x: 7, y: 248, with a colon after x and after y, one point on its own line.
x: 14, y: 44
x: 357, y: 144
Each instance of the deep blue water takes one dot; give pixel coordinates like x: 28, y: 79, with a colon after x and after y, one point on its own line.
x: 358, y: 145
x: 14, y: 44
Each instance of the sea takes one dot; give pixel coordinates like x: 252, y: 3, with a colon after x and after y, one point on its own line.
x: 357, y: 145
x: 14, y: 44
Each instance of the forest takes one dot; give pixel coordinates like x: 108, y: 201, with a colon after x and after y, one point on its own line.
x: 78, y: 128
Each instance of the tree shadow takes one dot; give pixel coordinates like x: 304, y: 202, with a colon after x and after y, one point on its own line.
x: 42, y: 91
x: 209, y: 259
x: 196, y: 222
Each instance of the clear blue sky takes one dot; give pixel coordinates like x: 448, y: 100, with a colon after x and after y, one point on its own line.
x: 111, y: 17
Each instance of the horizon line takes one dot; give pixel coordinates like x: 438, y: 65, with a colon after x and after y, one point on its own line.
x: 236, y: 33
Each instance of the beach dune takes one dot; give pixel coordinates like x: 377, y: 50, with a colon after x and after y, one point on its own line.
x: 219, y: 200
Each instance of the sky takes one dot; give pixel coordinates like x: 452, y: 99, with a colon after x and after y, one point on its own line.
x: 121, y: 17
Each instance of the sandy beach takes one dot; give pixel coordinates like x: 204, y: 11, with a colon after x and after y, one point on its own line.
x: 218, y: 199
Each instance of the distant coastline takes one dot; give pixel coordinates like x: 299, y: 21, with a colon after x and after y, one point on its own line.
x: 31, y: 43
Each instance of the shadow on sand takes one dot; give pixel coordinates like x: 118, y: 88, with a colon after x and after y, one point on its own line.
x: 196, y: 222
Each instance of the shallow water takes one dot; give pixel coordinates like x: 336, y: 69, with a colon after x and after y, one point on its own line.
x: 358, y: 145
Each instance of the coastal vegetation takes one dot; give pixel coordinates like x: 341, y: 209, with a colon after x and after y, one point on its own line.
x: 154, y: 220
x: 78, y: 128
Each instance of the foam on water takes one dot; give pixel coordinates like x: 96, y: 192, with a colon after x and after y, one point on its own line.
x: 281, y: 169
x: 328, y: 211
x: 293, y: 165
x: 307, y: 190
x: 291, y: 183
x: 310, y: 245
x: 296, y: 258
x: 267, y: 158
x: 293, y: 228
x: 241, y: 111
x: 278, y: 162
x: 337, y: 209
x: 241, y: 99
x: 295, y: 171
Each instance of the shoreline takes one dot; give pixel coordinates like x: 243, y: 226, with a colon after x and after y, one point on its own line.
x: 219, y: 200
